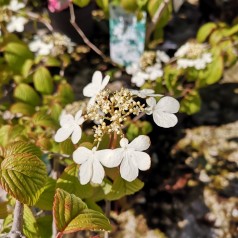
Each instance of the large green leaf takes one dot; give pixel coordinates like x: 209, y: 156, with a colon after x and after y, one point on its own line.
x: 30, y: 228
x: 65, y: 93
x: 121, y: 188
x: 71, y: 214
x: 45, y: 226
x: 69, y: 182
x: 23, y: 108
x: 44, y: 120
x: 43, y: 81
x: 10, y: 133
x: 25, y: 93
x: 205, y: 31
x: 23, y: 175
x: 16, y: 53
x: 45, y: 201
x: 22, y: 147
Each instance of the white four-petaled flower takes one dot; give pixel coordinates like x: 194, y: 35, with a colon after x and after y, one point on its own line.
x: 130, y: 156
x: 14, y: 5
x: 70, y: 126
x: 144, y: 93
x: 98, y: 84
x: 91, y: 168
x: 163, y: 111
x: 16, y: 24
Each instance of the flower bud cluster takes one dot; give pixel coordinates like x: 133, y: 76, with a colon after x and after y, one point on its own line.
x: 111, y: 110
x: 147, y: 59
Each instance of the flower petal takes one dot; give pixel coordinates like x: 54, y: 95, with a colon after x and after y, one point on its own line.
x: 63, y: 134
x: 140, y: 143
x: 86, y: 171
x: 142, y: 159
x: 90, y: 90
x: 98, y: 172
x: 105, y: 82
x: 168, y: 104
x: 97, y: 78
x: 151, y: 101
x: 66, y: 119
x: 128, y: 169
x: 111, y: 158
x: 164, y: 119
x: 78, y: 115
x: 124, y: 142
x: 81, y: 155
x: 76, y: 135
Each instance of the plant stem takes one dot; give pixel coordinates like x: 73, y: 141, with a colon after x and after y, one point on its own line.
x: 17, y: 226
x: 81, y: 33
x: 155, y: 19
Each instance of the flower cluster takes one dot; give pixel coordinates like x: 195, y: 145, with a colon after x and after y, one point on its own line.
x: 110, y: 110
x: 54, y: 44
x: 149, y: 67
x: 193, y: 54
x: 14, y: 23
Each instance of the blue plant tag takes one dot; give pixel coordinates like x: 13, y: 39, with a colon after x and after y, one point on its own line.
x: 127, y: 36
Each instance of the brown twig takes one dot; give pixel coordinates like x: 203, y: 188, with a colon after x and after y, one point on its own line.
x: 156, y: 18
x: 81, y: 33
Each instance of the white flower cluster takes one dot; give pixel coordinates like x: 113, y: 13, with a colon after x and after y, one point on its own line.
x: 130, y: 156
x: 14, y: 22
x: 54, y: 44
x: 193, y: 54
x: 153, y: 70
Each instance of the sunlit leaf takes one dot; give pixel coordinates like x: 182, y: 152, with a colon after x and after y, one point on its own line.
x: 71, y: 214
x: 121, y: 188
x: 205, y: 31
x: 69, y: 182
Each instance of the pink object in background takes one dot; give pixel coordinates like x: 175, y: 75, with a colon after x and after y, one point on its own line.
x: 58, y: 5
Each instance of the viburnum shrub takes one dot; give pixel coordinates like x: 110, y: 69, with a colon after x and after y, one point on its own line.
x: 58, y: 157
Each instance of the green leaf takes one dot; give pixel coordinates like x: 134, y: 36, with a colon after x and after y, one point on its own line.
x: 43, y: 81
x: 52, y: 62
x: 81, y: 3
x: 23, y: 108
x: 46, y: 198
x: 16, y: 53
x: 44, y: 120
x: 191, y: 103
x: 129, y: 5
x: 132, y: 131
x: 25, y: 93
x: 71, y: 214
x: 153, y: 6
x: 69, y: 182
x: 9, y: 133
x: 141, y: 3
x: 65, y: 93
x: 103, y: 4
x: 45, y: 226
x: 121, y: 188
x: 23, y: 176
x: 30, y: 228
x: 22, y: 147
x: 67, y: 147
x: 26, y: 67
x: 205, y: 31
x: 215, y: 70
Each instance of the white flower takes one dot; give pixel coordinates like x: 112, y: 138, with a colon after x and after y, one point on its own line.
x: 139, y: 78
x: 16, y: 24
x: 15, y: 5
x: 91, y: 168
x: 144, y: 93
x: 162, y: 56
x: 98, y: 84
x: 163, y: 111
x: 183, y: 50
x: 41, y: 47
x: 133, y: 68
x: 70, y: 126
x: 130, y: 156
